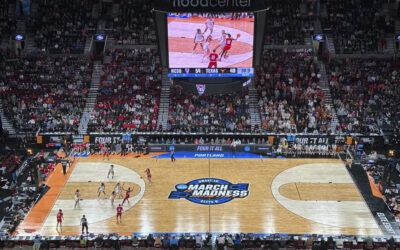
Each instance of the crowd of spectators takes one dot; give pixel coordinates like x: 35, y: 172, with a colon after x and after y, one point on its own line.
x: 358, y: 26
x: 20, y: 177
x: 47, y: 93
x: 208, y: 241
x: 298, y: 150
x: 24, y: 194
x: 365, y: 94
x: 290, y: 98
x: 191, y: 112
x: 128, y: 96
x: 251, y: 241
x: 11, y: 158
x: 381, y: 172
x: 288, y: 21
x: 134, y: 23
x: 45, y: 169
x: 61, y: 26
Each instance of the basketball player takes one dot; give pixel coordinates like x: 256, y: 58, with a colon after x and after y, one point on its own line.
x: 172, y: 154
x: 119, y: 213
x: 221, y: 40
x: 148, y: 174
x: 118, y: 190
x: 209, y: 26
x: 60, y: 217
x: 213, y: 57
x: 198, y: 39
x: 111, y: 172
x: 127, y: 195
x: 84, y: 224
x: 228, y: 45
x: 77, y: 198
x: 102, y: 189
x: 106, y: 152
x: 206, y: 48
x: 112, y: 198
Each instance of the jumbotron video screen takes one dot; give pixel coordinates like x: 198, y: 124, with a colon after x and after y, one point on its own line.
x: 210, y: 44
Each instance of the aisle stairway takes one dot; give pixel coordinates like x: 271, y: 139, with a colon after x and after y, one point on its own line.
x: 110, y: 42
x: 88, y: 45
x: 308, y: 41
x: 324, y: 84
x: 330, y: 44
x: 390, y: 44
x: 254, y: 109
x: 21, y: 27
x: 163, y: 110
x: 91, y: 99
x: 7, y: 125
x: 29, y: 45
x: 317, y: 27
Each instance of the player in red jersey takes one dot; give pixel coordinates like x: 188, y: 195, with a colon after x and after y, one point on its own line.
x: 119, y: 213
x: 127, y: 194
x: 106, y: 152
x: 228, y: 45
x: 60, y: 217
x: 213, y: 60
x: 148, y: 174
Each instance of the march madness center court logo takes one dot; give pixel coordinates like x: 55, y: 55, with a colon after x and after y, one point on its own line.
x: 210, y: 191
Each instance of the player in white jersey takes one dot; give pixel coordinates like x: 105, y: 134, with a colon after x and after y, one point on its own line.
x: 102, y: 189
x: 111, y: 172
x: 198, y: 39
x: 77, y: 198
x: 221, y: 40
x: 112, y: 198
x: 209, y: 26
x: 118, y: 190
x: 206, y: 48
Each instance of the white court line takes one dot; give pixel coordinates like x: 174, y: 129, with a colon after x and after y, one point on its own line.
x: 95, y: 210
x: 350, y: 214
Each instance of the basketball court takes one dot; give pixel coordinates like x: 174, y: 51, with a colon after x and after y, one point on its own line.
x: 295, y: 196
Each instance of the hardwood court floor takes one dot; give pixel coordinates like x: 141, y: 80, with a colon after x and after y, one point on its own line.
x: 285, y: 196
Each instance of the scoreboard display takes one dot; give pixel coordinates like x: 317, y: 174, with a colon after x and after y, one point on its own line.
x: 210, y: 44
x: 206, y: 72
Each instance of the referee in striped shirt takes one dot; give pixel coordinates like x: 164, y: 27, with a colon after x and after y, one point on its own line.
x: 84, y: 224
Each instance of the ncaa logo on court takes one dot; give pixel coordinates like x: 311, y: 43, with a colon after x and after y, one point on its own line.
x: 210, y: 191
